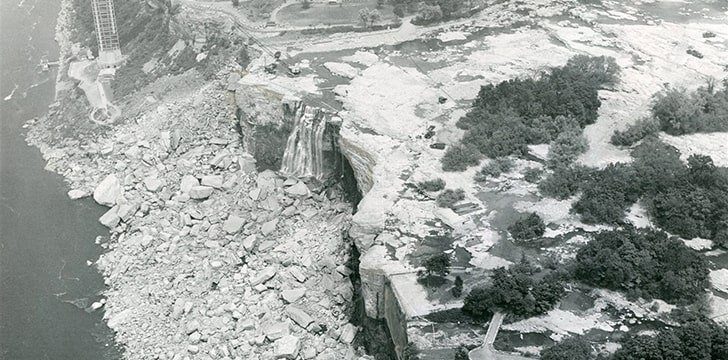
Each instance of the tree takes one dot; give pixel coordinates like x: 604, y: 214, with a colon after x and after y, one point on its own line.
x: 573, y: 348
x: 449, y: 197
x: 369, y: 16
x: 459, y: 157
x: 428, y: 14
x: 236, y: 2
x: 380, y: 3
x: 437, y: 265
x: 305, y: 4
x: 432, y: 185
x: 527, y: 227
x: 457, y: 288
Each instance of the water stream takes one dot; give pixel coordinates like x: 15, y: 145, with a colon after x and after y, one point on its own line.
x: 304, y: 155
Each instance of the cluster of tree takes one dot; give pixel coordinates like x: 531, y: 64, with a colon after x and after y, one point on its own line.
x: 519, y: 290
x: 494, y: 169
x: 507, y: 117
x: 436, y: 268
x: 450, y: 197
x: 573, y: 348
x: 607, y: 194
x: 430, y: 11
x: 432, y: 185
x: 696, y: 338
x: 527, y: 227
x: 678, y: 112
x: 644, y: 263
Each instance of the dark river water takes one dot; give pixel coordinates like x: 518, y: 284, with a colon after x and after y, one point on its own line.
x: 45, y: 238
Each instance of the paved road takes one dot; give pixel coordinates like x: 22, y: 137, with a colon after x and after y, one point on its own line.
x: 487, y: 351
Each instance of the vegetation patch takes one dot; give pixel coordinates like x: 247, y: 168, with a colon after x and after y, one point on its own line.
x: 644, y: 263
x: 432, y: 185
x: 450, y: 197
x: 527, y: 227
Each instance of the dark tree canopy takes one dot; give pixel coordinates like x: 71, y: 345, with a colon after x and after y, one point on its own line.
x: 527, y: 227
x: 644, y: 263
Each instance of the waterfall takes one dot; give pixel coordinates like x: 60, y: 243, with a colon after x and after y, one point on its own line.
x: 303, y: 156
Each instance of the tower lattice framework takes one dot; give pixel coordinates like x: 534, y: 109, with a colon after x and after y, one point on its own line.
x: 106, y: 31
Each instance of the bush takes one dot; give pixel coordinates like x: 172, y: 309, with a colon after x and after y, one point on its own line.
x: 527, y: 227
x: 460, y: 157
x: 573, y: 348
x: 462, y: 353
x: 437, y: 265
x: 494, y: 169
x: 428, y: 14
x: 607, y: 195
x: 599, y: 70
x: 532, y: 175
x: 566, y: 148
x: 635, y: 132
x: 516, y: 291
x: 457, y: 289
x: 679, y: 112
x: 449, y: 197
x: 564, y: 183
x: 645, y: 262
x: 432, y: 185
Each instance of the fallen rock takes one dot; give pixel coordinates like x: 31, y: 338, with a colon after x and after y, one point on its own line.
x: 76, y: 194
x: 276, y: 330
x: 287, y: 347
x: 108, y: 191
x: 233, y: 224
x: 299, y: 189
x: 299, y: 316
x: 153, y: 184
x: 127, y: 210
x: 263, y: 276
x: 348, y: 332
x: 292, y: 295
x: 200, y: 192
x: 212, y: 181
x: 249, y: 242
x: 187, y: 183
x: 268, y: 227
x: 111, y: 218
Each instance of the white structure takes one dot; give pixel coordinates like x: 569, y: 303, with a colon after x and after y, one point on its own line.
x: 107, y: 35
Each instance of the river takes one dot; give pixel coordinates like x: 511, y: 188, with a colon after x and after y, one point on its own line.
x: 45, y: 238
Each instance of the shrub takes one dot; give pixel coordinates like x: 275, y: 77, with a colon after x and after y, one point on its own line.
x: 449, y: 197
x: 635, y: 132
x: 460, y: 157
x: 428, y: 14
x: 573, y: 348
x: 599, y: 70
x: 532, y: 175
x: 527, y: 227
x: 679, y: 112
x: 243, y: 58
x: 437, y: 265
x: 432, y: 185
x: 515, y: 291
x: 607, y: 195
x: 646, y: 262
x: 566, y: 148
x: 494, y: 169
x: 564, y: 183
x: 462, y: 353
x: 457, y: 289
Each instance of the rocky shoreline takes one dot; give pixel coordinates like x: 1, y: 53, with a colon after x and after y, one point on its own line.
x: 207, y: 258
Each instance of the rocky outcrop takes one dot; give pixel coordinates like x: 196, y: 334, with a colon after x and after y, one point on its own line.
x: 108, y: 191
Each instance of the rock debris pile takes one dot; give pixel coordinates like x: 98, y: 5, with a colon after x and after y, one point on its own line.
x: 209, y: 259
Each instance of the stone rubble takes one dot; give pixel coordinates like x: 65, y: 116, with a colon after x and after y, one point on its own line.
x: 208, y: 259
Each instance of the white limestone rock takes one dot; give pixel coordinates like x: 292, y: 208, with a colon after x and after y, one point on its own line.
x: 108, y: 191
x: 187, y: 183
x: 214, y: 181
x: 233, y: 224
x: 287, y: 347
x: 263, y: 276
x: 200, y: 192
x: 153, y: 184
x: 111, y: 218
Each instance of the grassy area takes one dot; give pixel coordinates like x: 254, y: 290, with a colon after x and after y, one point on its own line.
x: 325, y: 14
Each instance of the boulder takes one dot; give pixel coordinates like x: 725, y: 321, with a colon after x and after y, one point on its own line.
x: 348, y: 332
x: 292, y: 295
x: 187, y: 183
x: 263, y: 276
x: 127, y: 210
x: 76, y: 194
x: 108, y: 191
x: 249, y: 242
x: 212, y: 181
x: 200, y: 192
x: 299, y: 189
x: 152, y: 183
x: 233, y: 224
x: 276, y: 330
x: 287, y: 347
x: 268, y: 227
x: 299, y: 316
x: 111, y: 218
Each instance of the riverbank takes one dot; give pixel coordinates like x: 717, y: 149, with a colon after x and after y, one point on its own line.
x: 206, y: 258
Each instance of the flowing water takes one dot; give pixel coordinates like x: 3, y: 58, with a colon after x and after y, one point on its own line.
x: 45, y: 238
x: 304, y: 155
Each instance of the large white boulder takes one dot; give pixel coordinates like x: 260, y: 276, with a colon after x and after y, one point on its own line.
x: 287, y: 347
x: 200, y: 192
x: 108, y: 191
x: 187, y: 183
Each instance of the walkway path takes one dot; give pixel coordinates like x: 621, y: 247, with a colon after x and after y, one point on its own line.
x: 487, y: 351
